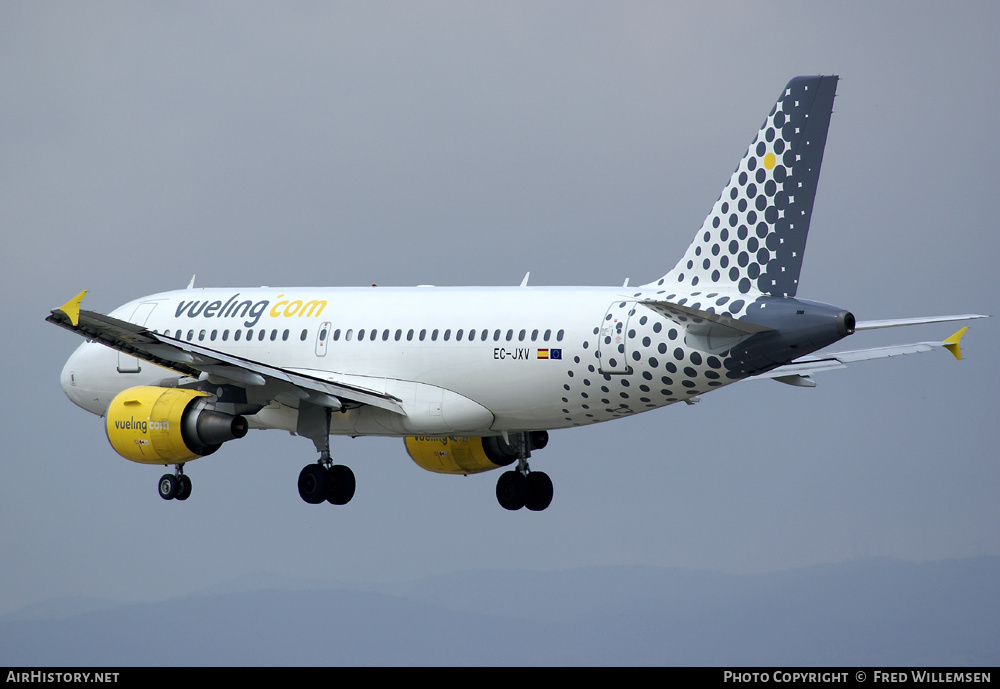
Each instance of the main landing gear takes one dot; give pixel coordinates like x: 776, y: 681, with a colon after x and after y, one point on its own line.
x: 327, y: 481
x: 323, y: 480
x: 176, y: 486
x: 522, y: 487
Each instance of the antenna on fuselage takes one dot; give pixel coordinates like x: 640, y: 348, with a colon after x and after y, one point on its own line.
x: 524, y: 282
x: 191, y: 284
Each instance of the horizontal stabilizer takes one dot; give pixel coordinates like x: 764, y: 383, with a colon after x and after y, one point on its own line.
x: 897, y: 322
x: 808, y: 365
x: 704, y: 330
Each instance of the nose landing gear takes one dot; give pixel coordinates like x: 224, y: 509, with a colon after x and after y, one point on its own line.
x: 176, y: 486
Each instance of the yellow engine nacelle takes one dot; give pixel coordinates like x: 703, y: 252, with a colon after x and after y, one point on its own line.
x: 152, y: 425
x: 459, y: 454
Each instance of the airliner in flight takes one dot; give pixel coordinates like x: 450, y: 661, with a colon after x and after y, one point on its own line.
x: 473, y: 378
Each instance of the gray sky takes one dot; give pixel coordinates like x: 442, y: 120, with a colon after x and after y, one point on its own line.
x: 466, y: 143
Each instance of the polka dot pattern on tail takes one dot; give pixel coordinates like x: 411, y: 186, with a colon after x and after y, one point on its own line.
x: 754, y: 238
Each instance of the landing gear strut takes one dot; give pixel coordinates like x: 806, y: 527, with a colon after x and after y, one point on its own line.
x: 522, y: 487
x: 175, y: 486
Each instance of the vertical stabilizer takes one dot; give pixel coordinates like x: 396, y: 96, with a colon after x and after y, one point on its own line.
x: 755, y: 236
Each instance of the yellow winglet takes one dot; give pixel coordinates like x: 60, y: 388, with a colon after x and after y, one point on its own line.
x: 72, y: 308
x: 951, y: 344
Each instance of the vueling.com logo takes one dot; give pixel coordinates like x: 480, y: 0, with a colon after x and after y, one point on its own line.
x: 142, y: 425
x: 251, y: 310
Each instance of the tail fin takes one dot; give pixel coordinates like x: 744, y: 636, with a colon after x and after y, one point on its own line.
x: 755, y: 236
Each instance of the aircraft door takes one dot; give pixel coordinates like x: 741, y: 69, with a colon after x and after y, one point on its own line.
x: 613, y: 343
x: 322, y: 338
x: 126, y: 363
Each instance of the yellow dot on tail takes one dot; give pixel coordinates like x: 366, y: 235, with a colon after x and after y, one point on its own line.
x: 769, y: 161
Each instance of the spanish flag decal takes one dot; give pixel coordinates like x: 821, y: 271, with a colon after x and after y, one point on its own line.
x: 550, y: 354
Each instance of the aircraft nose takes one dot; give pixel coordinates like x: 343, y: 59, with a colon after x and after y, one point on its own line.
x: 80, y: 377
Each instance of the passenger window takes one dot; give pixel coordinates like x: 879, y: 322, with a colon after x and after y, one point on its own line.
x: 225, y: 335
x: 496, y: 335
x: 274, y: 335
x: 261, y: 334
x: 347, y: 335
x: 434, y: 335
x: 409, y: 335
x: 399, y: 334
x: 305, y: 333
x: 423, y: 334
x: 458, y: 335
x: 547, y: 335
x: 361, y: 334
x: 237, y: 334
x: 520, y: 336
x: 201, y: 336
x: 336, y: 335
x: 385, y: 335
x: 447, y: 334
x: 534, y: 334
x: 510, y: 335
x: 249, y: 335
x: 284, y: 336
x: 559, y: 336
x: 372, y: 335
x: 190, y: 335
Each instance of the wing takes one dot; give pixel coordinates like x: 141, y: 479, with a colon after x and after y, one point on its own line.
x: 798, y: 372
x: 194, y: 360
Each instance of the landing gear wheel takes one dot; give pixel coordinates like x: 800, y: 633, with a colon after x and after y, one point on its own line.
x: 183, y: 488
x: 512, y: 490
x: 314, y: 483
x: 341, y: 485
x: 539, y: 491
x: 168, y: 487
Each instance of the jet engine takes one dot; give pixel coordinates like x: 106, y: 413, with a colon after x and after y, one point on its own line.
x: 465, y: 455
x: 153, y: 425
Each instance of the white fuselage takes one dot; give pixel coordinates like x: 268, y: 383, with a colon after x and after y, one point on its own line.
x: 470, y: 360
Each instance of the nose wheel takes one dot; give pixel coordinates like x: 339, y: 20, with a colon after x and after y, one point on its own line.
x: 175, y: 486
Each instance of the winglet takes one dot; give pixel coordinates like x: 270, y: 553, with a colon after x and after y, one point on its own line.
x: 952, y: 343
x: 71, y: 309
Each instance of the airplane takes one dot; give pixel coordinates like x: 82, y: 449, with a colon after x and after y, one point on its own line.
x: 474, y: 378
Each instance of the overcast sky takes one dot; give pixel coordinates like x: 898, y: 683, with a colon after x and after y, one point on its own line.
x: 467, y: 143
